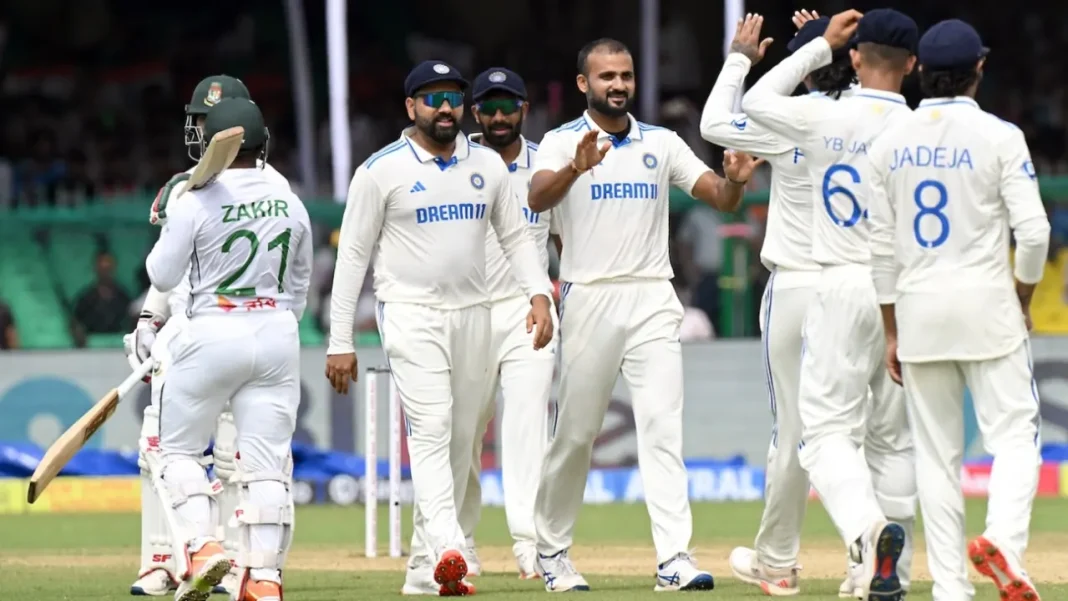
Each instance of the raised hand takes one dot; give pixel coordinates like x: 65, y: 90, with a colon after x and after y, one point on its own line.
x: 739, y: 166
x: 841, y: 28
x: 803, y: 16
x: 747, y: 38
x: 587, y: 155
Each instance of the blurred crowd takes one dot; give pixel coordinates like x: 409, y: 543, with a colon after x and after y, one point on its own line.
x: 92, y: 108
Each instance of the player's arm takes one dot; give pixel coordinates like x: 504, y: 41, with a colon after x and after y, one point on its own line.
x: 300, y: 271
x: 770, y: 104
x: 882, y: 217
x: 690, y: 174
x: 365, y: 211
x: 516, y: 241
x: 1027, y: 217
x: 722, y: 126
x: 173, y: 251
x: 554, y: 173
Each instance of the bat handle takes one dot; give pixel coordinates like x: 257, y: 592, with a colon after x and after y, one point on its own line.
x: 140, y: 372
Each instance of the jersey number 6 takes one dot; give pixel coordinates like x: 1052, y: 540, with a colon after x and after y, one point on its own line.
x: 281, y: 240
x: 830, y: 190
x: 934, y: 210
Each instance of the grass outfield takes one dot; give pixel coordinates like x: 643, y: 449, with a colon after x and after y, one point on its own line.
x: 83, y: 557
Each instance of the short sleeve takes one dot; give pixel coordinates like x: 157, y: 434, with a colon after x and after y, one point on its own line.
x: 684, y: 166
x: 554, y: 153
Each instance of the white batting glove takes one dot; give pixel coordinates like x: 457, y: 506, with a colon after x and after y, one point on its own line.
x: 138, y: 344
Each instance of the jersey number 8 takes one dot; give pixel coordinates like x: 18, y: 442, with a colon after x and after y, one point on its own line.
x: 281, y: 240
x: 830, y: 190
x: 928, y: 210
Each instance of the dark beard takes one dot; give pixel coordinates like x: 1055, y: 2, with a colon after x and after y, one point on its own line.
x: 501, y: 140
x: 601, y: 105
x: 437, y: 132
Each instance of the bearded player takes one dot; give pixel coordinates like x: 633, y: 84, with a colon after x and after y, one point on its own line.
x: 156, y: 576
x: 525, y: 375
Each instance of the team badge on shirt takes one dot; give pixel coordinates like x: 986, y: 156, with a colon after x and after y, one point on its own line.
x: 649, y: 160
x: 477, y: 181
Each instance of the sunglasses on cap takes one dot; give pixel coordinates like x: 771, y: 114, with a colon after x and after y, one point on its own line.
x: 506, y: 106
x: 438, y: 99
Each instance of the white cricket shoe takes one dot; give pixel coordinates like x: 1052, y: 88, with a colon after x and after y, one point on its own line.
x: 881, y: 547
x: 155, y: 583
x: 230, y: 584
x: 419, y: 579
x: 209, y: 565
x: 680, y: 573
x: 474, y: 566
x: 560, y: 574
x: 775, y: 582
x: 848, y: 589
x: 526, y: 559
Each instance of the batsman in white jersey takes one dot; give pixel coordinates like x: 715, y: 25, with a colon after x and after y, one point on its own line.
x: 606, y: 177
x: 787, y: 253
x: 425, y: 204
x: 156, y: 576
x: 843, y: 344
x: 524, y: 374
x: 949, y: 184
x: 249, y: 242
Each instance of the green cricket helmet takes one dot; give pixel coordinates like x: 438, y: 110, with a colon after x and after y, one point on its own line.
x: 207, y: 94
x: 238, y: 112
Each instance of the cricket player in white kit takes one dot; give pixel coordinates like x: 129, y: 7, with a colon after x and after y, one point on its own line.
x: 156, y: 576
x: 249, y: 241
x: 525, y: 375
x: 949, y: 184
x: 425, y: 204
x: 843, y: 348
x: 787, y: 253
x: 606, y: 177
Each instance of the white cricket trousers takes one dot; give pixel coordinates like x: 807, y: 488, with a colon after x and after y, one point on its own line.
x: 440, y: 361
x: 1007, y: 410
x: 610, y: 329
x: 782, y: 317
x: 525, y: 377
x: 253, y: 361
x: 844, y: 355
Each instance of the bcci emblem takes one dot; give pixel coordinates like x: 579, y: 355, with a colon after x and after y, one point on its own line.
x: 497, y: 77
x: 477, y: 181
x: 214, y: 94
x: 649, y: 160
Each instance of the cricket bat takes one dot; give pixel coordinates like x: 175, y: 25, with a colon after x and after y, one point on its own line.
x: 221, y: 152
x: 61, y: 451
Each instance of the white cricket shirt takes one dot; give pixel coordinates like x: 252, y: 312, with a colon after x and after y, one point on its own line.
x: 178, y: 299
x: 426, y: 220
x: 948, y: 185
x: 787, y: 237
x: 245, y: 243
x: 500, y: 283
x: 835, y: 138
x: 614, y: 219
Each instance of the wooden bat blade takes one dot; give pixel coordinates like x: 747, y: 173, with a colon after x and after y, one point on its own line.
x: 66, y: 446
x: 221, y: 152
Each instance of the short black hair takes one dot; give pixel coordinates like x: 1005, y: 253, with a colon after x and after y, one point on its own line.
x: 946, y: 83
x: 890, y: 56
x: 835, y: 78
x: 609, y: 45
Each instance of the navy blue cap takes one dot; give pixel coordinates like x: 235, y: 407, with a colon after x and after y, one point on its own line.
x: 950, y: 44
x: 810, y: 31
x: 428, y: 72
x: 887, y: 27
x: 498, y: 79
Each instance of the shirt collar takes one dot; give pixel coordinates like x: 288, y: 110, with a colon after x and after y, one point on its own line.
x: 950, y: 100
x: 635, y: 132
x: 463, y: 150
x: 879, y: 95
